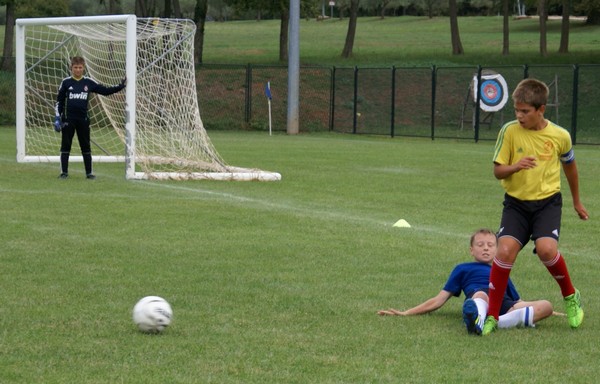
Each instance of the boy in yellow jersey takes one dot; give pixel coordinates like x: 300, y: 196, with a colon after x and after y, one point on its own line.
x: 527, y: 159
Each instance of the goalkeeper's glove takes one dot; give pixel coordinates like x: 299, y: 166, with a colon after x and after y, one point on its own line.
x: 57, y: 124
x: 123, y: 83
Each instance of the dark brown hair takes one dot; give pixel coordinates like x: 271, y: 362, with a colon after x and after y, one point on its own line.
x: 77, y: 60
x: 532, y: 92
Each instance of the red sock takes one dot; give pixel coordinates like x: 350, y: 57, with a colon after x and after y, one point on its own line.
x: 558, y: 269
x: 498, y: 282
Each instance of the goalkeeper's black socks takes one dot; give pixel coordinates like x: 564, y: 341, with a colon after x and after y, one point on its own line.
x: 87, y: 162
x: 64, y: 163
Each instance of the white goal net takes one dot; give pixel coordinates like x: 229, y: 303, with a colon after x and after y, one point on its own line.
x: 154, y: 125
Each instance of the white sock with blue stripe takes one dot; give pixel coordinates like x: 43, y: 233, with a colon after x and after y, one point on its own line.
x: 528, y: 322
x: 522, y: 317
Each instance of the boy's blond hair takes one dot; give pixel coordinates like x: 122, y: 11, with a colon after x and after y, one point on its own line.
x: 482, y: 231
x: 532, y: 92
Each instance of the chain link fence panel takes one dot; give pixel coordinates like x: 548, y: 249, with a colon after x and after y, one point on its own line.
x: 433, y: 102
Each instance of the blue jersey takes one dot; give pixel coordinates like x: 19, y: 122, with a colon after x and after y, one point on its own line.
x: 472, y: 277
x: 73, y: 97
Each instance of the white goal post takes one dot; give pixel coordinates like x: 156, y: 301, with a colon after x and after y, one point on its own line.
x: 154, y: 126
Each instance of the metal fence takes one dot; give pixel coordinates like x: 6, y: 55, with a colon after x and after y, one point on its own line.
x: 433, y: 102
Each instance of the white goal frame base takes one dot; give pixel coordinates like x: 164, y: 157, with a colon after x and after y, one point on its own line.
x: 250, y: 175
x: 233, y: 174
x: 72, y: 159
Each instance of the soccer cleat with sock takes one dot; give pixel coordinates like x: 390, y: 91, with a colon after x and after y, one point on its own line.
x: 471, y: 317
x: 574, y: 311
x: 490, y: 325
x: 63, y: 175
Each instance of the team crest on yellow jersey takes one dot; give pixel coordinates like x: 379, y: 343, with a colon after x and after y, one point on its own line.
x: 548, y: 150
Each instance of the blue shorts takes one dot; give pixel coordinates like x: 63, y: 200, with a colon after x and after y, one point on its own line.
x: 507, y: 304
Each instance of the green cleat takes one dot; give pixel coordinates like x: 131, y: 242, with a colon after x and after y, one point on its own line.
x: 490, y: 325
x: 574, y: 311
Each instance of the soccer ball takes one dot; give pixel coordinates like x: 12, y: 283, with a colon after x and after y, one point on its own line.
x: 152, y: 314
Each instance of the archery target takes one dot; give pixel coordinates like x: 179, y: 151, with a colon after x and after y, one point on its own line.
x: 494, y: 92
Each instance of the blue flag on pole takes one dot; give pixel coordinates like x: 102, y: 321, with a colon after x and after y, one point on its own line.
x: 268, y: 90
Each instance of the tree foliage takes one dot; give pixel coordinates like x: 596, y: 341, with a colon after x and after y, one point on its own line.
x: 219, y: 10
x: 42, y: 8
x: 113, y: 6
x: 89, y: 7
x: 22, y: 8
x: 589, y: 8
x: 258, y: 8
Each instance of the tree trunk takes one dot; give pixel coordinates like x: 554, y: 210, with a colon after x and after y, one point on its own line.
x: 200, y: 19
x: 177, y: 9
x: 283, y: 33
x: 457, y: 48
x: 384, y: 5
x: 9, y: 34
x: 543, y: 16
x: 140, y: 8
x: 564, y: 27
x: 167, y: 9
x: 505, y: 29
x: 347, y: 52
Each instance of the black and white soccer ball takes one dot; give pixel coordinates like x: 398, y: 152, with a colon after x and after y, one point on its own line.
x: 152, y: 314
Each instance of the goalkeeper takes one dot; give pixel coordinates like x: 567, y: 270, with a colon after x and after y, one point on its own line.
x: 71, y: 114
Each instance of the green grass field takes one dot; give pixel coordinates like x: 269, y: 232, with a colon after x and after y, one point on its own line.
x: 277, y: 282
x: 402, y: 41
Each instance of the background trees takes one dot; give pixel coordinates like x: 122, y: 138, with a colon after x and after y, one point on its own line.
x: 202, y: 11
x: 8, y: 34
x: 26, y: 8
x: 589, y: 8
x: 222, y: 10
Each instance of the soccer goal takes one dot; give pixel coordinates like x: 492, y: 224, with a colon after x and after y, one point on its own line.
x: 154, y: 126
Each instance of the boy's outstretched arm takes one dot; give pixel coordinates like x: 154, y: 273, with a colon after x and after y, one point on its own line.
x: 427, y: 306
